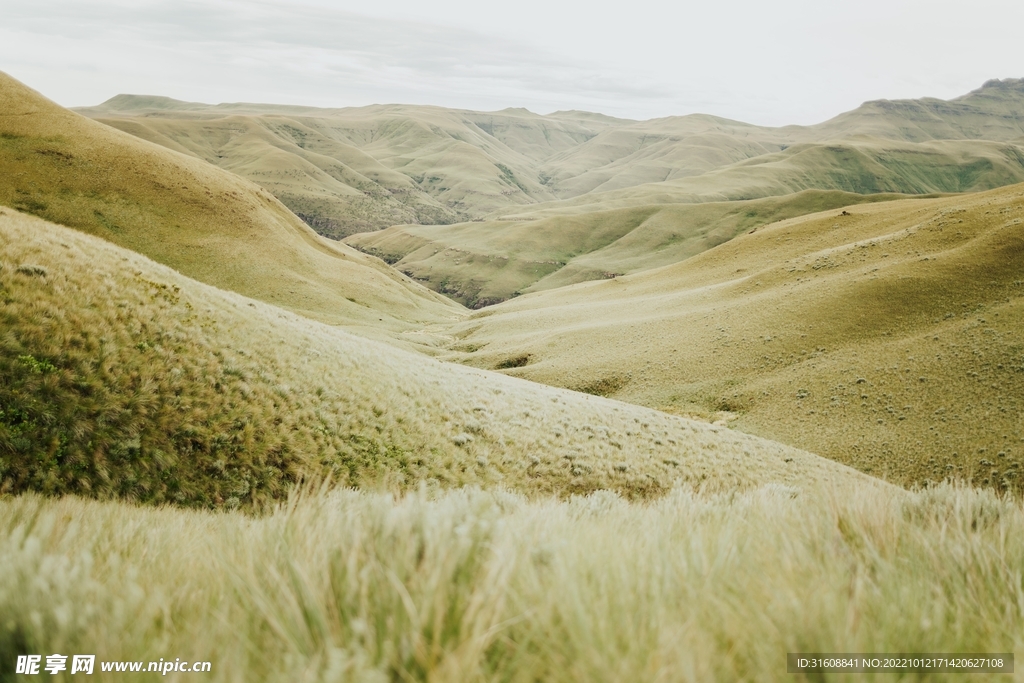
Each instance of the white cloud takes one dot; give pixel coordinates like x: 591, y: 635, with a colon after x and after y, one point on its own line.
x: 775, y: 63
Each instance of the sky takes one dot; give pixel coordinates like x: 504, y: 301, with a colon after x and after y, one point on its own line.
x: 763, y: 62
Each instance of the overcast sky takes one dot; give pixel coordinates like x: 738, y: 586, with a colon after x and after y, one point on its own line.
x: 771, y: 63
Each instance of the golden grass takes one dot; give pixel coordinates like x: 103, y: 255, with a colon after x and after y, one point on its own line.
x: 123, y: 378
x: 204, y: 222
x: 467, y: 586
x: 887, y: 339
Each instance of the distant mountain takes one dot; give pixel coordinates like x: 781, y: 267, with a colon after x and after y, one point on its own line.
x: 353, y: 170
x: 576, y: 196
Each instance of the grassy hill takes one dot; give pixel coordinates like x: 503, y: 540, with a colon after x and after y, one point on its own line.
x: 625, y: 192
x: 123, y: 378
x: 992, y: 112
x: 860, y: 165
x: 637, y: 153
x: 200, y: 220
x: 483, y: 263
x: 360, y: 169
x: 499, y: 529
x: 885, y: 336
x: 600, y: 235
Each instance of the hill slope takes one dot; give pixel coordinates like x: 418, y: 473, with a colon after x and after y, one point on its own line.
x: 483, y: 263
x: 641, y: 152
x: 861, y: 165
x: 886, y: 337
x: 628, y: 188
x: 359, y: 169
x: 203, y: 221
x: 121, y: 377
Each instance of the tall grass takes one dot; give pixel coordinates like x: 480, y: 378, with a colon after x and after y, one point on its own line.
x: 468, y: 585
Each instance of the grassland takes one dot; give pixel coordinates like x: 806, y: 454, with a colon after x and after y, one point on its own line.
x: 468, y: 586
x: 360, y: 169
x: 638, y: 153
x: 488, y: 205
x: 202, y: 221
x: 124, y: 379
x: 642, y: 195
x: 864, y: 166
x: 483, y: 263
x: 885, y: 336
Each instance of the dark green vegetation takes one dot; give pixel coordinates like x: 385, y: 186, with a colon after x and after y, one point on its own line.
x: 99, y: 397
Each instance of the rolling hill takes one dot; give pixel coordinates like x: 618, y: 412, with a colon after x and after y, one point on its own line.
x: 380, y: 515
x: 488, y: 205
x: 885, y: 336
x: 200, y: 220
x: 359, y: 169
x: 483, y: 263
x: 626, y: 190
x: 601, y: 235
x: 123, y: 378
x: 669, y: 149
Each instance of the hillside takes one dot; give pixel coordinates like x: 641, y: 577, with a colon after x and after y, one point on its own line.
x: 992, y: 112
x: 661, y: 150
x: 600, y: 235
x: 124, y: 378
x: 885, y: 336
x: 483, y: 263
x: 359, y: 169
x: 648, y: 194
x: 861, y: 165
x: 200, y: 220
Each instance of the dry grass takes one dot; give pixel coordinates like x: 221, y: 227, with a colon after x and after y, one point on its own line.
x: 204, y: 222
x: 887, y: 339
x: 124, y: 378
x: 469, y: 586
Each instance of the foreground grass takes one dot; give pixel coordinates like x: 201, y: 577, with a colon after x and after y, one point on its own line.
x: 467, y: 585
